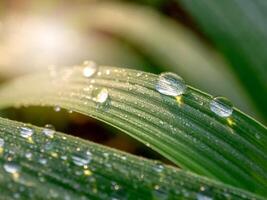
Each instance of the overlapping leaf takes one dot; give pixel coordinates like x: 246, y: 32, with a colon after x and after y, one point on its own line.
x: 64, y: 167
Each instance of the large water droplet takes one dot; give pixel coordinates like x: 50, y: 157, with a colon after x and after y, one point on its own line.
x: 221, y: 106
x: 170, y: 84
x: 11, y: 167
x: 49, y: 130
x: 81, y: 158
x: 26, y: 132
x: 2, y: 142
x: 89, y: 69
x: 100, y: 95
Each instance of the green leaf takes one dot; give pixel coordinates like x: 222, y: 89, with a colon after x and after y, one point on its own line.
x: 182, y: 129
x: 65, y: 167
x: 238, y: 29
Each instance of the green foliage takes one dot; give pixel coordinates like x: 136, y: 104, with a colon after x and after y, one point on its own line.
x: 182, y: 129
x: 219, y: 152
x: 44, y: 168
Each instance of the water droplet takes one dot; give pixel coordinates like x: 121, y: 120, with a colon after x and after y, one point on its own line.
x: 81, y: 158
x: 89, y: 69
x: 26, y: 132
x: 221, y: 106
x: 204, y: 194
x: 115, y: 186
x: 2, y: 142
x: 49, y: 130
x: 42, y: 161
x: 57, y: 108
x: 170, y: 84
x: 63, y: 157
x: 256, y: 135
x: 87, y: 172
x: 201, y: 196
x: 28, y: 155
x: 11, y: 167
x: 100, y: 95
x: 159, y: 167
x: 16, y: 195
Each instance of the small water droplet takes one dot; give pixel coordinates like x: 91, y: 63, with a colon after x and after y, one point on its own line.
x: 26, y: 132
x: 89, y: 69
x: 57, y: 108
x: 159, y: 167
x: 2, y: 142
x: 42, y: 161
x: 203, y: 197
x: 81, y: 158
x: 221, y: 106
x: 256, y: 135
x: 139, y: 74
x: 87, y: 172
x: 49, y: 130
x: 115, y: 186
x: 11, y: 167
x: 170, y: 84
x: 108, y: 72
x: 28, y: 155
x: 16, y: 195
x: 204, y: 194
x: 100, y: 95
x: 63, y: 157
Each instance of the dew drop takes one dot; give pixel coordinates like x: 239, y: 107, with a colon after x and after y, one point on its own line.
x: 42, y: 161
x: 2, y: 142
x: 203, y: 197
x: 26, y: 132
x: 81, y: 158
x: 115, y: 186
x: 100, y: 95
x: 158, y: 167
x: 256, y: 135
x: 170, y: 84
x: 204, y: 194
x: 11, y: 167
x: 221, y: 106
x: 63, y: 157
x: 87, y: 172
x: 28, y: 155
x: 49, y: 130
x: 89, y: 69
x: 57, y: 108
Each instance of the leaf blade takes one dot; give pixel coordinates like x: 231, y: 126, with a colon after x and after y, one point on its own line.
x: 109, y: 174
x: 187, y: 133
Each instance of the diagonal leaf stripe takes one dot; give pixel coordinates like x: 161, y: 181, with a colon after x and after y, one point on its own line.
x: 183, y: 129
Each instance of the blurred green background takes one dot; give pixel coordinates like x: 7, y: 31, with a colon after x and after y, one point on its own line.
x: 219, y: 47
